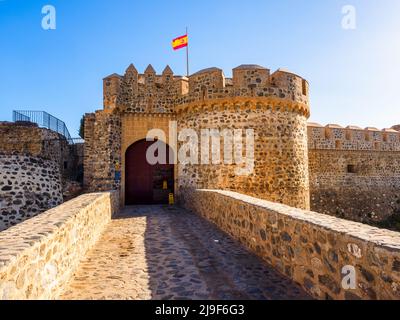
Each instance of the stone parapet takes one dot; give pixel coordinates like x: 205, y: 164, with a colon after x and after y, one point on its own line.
x: 38, y: 256
x: 152, y: 93
x: 309, y: 247
x: 352, y: 138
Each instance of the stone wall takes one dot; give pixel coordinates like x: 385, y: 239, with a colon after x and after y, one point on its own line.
x: 310, y: 248
x: 26, y: 138
x: 28, y: 186
x: 102, y: 151
x: 35, y: 164
x: 38, y: 257
x: 369, y: 194
x: 354, y: 172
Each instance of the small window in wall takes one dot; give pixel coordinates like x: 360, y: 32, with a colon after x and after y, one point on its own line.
x: 65, y: 164
x: 351, y: 168
x: 304, y: 87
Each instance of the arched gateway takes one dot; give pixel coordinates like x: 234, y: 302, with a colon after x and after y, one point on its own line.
x: 146, y: 183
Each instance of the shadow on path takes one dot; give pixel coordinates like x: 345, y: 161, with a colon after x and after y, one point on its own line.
x: 188, y: 257
x: 166, y: 253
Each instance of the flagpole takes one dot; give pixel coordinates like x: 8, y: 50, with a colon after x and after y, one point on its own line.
x: 187, y: 54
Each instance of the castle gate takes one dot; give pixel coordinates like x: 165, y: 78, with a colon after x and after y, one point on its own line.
x: 146, y: 183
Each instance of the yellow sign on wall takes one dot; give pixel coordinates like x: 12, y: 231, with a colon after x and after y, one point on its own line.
x: 171, y: 199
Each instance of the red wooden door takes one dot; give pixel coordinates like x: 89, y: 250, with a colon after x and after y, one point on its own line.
x: 138, y: 181
x: 144, y: 183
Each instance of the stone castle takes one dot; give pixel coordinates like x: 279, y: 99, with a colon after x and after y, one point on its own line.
x: 274, y: 105
x: 292, y: 211
x: 347, y: 172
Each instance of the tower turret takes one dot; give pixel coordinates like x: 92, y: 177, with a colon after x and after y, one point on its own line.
x: 250, y: 76
x: 111, y: 91
x: 167, y: 75
x: 150, y: 76
x: 132, y: 78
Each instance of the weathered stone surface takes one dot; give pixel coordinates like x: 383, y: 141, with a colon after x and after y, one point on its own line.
x: 28, y: 186
x: 315, y: 264
x: 37, y: 166
x: 102, y: 151
x: 27, y: 139
x: 38, y: 256
x: 354, y: 172
x: 161, y: 252
x: 280, y: 150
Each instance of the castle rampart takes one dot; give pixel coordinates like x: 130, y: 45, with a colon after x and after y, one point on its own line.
x: 335, y: 137
x: 354, y: 172
x: 151, y: 93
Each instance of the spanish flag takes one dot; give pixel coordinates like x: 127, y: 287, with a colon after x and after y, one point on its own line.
x: 180, y: 42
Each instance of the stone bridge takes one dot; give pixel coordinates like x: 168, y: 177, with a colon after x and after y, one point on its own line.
x: 235, y: 247
x: 164, y: 253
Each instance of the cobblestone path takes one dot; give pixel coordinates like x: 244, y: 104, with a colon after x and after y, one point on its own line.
x: 156, y: 252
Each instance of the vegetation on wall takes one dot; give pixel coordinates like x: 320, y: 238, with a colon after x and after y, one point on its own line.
x: 82, y: 128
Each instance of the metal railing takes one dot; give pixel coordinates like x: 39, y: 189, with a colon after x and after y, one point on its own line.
x: 44, y: 120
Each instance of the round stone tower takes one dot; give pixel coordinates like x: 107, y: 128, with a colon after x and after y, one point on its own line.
x: 273, y: 108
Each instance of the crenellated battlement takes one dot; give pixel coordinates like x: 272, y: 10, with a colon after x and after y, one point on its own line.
x: 335, y: 137
x: 153, y: 93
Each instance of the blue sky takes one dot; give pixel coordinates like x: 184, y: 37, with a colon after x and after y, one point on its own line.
x: 354, y: 74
